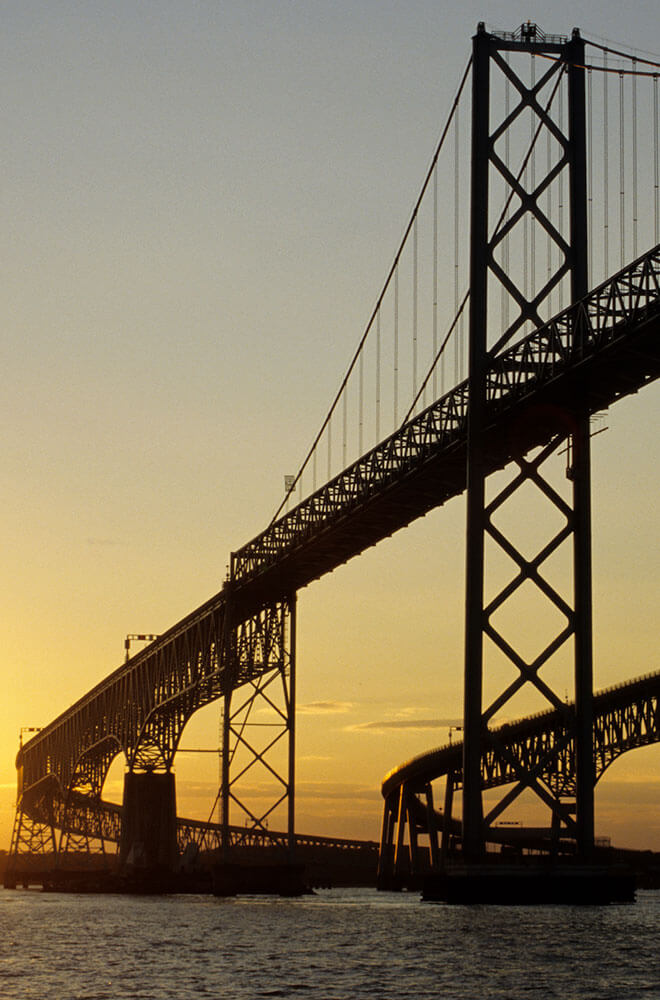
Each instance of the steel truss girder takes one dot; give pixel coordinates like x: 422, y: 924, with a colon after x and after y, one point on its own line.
x: 580, y: 341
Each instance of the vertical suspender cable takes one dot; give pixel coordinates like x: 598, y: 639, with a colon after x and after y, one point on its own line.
x: 396, y: 346
x: 456, y: 240
x: 656, y: 162
x: 378, y: 376
x: 414, y: 317
x: 590, y: 177
x: 549, y: 240
x: 507, y: 160
x: 560, y: 187
x: 532, y: 221
x: 503, y: 291
x: 435, y: 287
x: 344, y: 427
x: 330, y: 448
x: 634, y: 156
x: 622, y: 176
x: 361, y: 404
x: 606, y: 174
x: 525, y: 184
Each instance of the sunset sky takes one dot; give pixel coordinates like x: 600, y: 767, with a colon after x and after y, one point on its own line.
x: 200, y: 202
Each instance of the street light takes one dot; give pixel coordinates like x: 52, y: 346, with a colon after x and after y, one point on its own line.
x: 27, y: 729
x: 135, y: 637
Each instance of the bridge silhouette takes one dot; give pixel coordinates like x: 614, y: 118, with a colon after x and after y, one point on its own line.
x: 542, y: 746
x: 533, y: 383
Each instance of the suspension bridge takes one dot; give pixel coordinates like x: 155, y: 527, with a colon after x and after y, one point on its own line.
x: 483, y: 354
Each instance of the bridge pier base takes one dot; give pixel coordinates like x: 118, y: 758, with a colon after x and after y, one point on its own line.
x: 148, y: 831
x: 531, y: 884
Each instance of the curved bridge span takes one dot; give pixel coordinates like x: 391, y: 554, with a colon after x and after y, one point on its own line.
x: 539, y: 750
x: 599, y: 350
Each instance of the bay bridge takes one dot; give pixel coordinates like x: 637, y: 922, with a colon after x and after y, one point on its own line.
x: 493, y: 360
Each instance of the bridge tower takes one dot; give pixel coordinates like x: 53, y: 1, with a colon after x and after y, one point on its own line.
x: 258, y: 726
x: 537, y: 106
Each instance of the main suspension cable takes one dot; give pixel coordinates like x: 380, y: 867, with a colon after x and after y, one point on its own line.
x: 604, y: 68
x: 623, y: 55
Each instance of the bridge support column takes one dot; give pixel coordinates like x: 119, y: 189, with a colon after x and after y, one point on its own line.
x: 33, y: 847
x: 581, y: 470
x: 148, y: 831
x: 446, y: 829
x: 258, y: 728
x: 473, y: 837
x: 527, y: 195
x: 386, y: 850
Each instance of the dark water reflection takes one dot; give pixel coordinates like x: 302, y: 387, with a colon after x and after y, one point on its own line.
x: 338, y: 945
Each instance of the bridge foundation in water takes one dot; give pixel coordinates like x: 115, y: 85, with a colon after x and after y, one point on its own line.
x: 535, y: 883
x: 149, y: 823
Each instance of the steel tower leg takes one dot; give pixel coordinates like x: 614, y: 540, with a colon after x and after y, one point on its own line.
x: 473, y: 843
x: 291, y: 711
x: 584, y: 750
x: 224, y: 778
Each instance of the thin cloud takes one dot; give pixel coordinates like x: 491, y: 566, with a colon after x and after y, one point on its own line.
x: 325, y: 707
x: 388, y: 725
x: 330, y: 791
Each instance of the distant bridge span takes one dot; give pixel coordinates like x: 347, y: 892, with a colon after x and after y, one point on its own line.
x: 539, y: 749
x: 626, y: 716
x: 597, y: 351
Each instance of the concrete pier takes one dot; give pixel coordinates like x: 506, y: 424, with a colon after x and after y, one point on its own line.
x: 148, y: 830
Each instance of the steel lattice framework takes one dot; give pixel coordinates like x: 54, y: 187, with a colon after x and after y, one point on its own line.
x: 141, y: 710
x: 604, y: 347
x: 538, y: 750
x: 525, y: 207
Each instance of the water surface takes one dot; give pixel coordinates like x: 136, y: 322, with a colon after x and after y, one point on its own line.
x: 336, y: 945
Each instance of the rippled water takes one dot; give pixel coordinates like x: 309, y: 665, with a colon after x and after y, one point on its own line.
x: 337, y: 944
